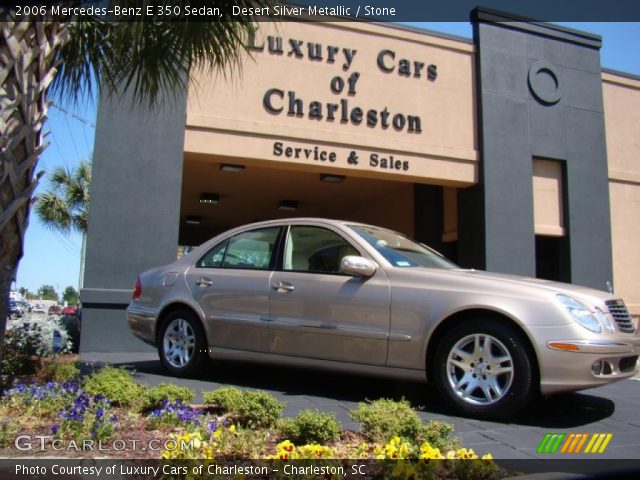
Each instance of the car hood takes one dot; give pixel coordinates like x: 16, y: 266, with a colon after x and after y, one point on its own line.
x: 497, y: 283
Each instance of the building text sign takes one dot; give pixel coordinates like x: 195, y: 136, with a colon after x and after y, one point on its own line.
x: 321, y: 155
x: 344, y: 86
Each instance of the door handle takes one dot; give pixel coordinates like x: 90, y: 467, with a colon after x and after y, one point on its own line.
x: 283, y: 287
x: 204, y: 282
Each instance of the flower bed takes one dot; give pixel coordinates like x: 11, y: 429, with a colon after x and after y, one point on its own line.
x: 76, y: 422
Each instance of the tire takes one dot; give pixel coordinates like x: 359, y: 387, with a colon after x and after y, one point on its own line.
x: 466, y: 377
x: 182, y: 344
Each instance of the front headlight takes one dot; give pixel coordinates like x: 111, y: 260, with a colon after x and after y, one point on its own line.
x: 581, y: 313
x: 606, y: 320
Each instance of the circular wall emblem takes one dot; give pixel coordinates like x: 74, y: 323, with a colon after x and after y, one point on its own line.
x: 543, y: 83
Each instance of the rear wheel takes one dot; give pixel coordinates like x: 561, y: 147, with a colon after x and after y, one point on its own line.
x: 485, y: 369
x: 182, y: 343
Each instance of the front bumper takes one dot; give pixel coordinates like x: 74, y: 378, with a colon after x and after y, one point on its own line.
x: 569, y: 364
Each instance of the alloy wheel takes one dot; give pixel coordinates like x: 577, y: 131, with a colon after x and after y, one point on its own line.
x: 179, y: 343
x: 480, y: 369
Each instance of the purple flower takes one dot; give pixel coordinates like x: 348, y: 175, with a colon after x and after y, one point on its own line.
x: 99, y: 413
x: 177, y: 411
x: 212, y: 426
x: 54, y: 428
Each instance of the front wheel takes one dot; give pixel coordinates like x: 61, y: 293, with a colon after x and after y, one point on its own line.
x: 182, y: 343
x: 484, y: 369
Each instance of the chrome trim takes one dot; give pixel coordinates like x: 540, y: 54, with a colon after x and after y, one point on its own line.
x: 350, y: 332
x: 399, y: 337
x: 618, y: 310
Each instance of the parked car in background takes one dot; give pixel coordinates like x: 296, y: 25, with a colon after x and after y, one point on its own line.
x: 39, y: 309
x: 54, y: 310
x: 71, y: 310
x: 360, y: 298
x: 26, y: 308
x: 15, y: 308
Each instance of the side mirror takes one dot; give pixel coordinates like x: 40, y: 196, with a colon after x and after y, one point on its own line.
x: 357, y: 266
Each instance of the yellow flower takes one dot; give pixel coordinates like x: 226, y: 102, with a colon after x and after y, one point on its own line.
x: 232, y: 428
x: 314, y: 451
x: 465, y: 454
x: 427, y: 452
x: 488, y: 456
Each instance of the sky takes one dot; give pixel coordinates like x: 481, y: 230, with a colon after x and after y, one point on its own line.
x: 53, y: 259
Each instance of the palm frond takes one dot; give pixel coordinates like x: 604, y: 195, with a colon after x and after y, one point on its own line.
x: 65, y: 206
x: 60, y: 177
x: 54, y: 212
x: 152, y: 59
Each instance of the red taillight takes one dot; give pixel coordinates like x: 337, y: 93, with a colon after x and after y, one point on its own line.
x: 137, y: 289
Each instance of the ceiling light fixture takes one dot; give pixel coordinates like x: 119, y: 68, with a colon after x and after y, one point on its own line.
x: 210, y: 198
x: 327, y: 177
x: 288, y: 205
x: 227, y: 167
x: 193, y: 220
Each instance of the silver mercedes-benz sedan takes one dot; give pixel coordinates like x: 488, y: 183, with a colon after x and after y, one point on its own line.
x: 343, y: 295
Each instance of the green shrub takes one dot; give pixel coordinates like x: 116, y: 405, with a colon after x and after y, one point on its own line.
x: 242, y: 443
x: 249, y: 409
x: 153, y: 397
x: 8, y: 431
x: 227, y: 399
x: 259, y: 409
x: 22, y: 344
x: 384, y: 418
x: 437, y: 434
x: 116, y: 384
x: 311, y: 426
x: 62, y: 372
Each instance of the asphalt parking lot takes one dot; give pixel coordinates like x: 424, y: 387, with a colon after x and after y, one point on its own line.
x: 610, y: 409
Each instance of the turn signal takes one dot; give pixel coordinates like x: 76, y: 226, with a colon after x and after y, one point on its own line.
x: 568, y: 347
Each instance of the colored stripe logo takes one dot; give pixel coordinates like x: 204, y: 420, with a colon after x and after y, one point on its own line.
x: 574, y: 443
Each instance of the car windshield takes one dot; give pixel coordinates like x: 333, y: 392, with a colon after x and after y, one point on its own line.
x: 399, y: 250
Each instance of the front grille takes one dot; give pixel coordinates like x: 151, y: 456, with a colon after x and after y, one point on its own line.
x: 621, y: 315
x: 627, y: 364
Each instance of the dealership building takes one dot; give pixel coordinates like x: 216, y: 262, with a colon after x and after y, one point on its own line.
x: 513, y: 152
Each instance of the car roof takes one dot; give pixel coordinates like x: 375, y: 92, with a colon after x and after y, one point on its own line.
x: 290, y: 220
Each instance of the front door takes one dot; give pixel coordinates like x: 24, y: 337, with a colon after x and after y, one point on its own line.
x: 316, y: 311
x: 231, y: 283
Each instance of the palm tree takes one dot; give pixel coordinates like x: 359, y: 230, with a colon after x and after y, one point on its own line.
x: 41, y: 57
x: 65, y: 206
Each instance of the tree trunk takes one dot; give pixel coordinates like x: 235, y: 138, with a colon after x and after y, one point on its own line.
x: 27, y: 66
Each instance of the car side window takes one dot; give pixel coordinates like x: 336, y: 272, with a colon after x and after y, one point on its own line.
x: 315, y: 250
x: 251, y: 250
x: 213, y: 258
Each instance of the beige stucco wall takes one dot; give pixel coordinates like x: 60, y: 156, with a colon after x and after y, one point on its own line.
x: 227, y: 116
x: 547, y: 198
x: 622, y: 118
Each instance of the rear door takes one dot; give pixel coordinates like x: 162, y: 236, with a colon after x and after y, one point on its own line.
x: 231, y: 283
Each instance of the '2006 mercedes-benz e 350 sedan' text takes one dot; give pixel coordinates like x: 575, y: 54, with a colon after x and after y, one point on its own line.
x: 360, y: 298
